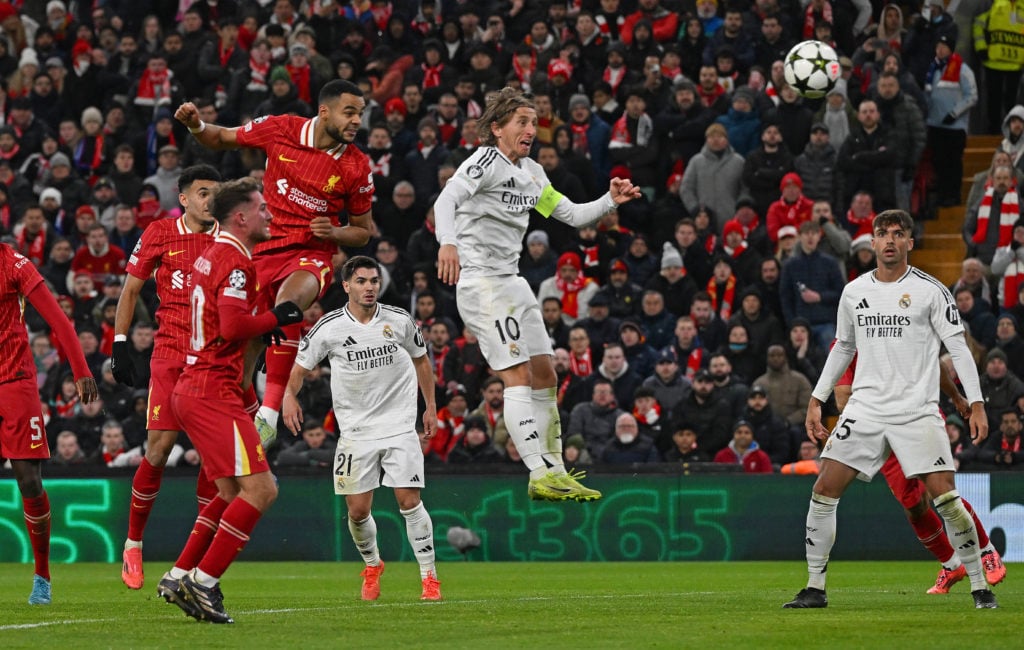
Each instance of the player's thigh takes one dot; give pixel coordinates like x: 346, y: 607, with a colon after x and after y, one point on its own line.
x: 504, y: 315
x: 163, y: 375
x: 275, y: 270
x: 403, y: 461
x: 224, y: 435
x: 22, y: 434
x: 922, y: 446
x: 908, y: 491
x: 858, y: 443
x: 357, y: 465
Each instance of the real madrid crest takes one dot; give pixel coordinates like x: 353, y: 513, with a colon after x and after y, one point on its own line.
x: 513, y: 349
x: 905, y: 301
x: 388, y: 332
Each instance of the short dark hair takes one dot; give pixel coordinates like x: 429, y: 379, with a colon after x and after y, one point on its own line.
x: 349, y: 268
x: 230, y: 195
x: 894, y: 218
x: 336, y: 88
x: 201, y: 172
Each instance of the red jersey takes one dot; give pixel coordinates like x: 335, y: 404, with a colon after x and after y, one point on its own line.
x: 110, y: 262
x: 169, y: 247
x: 18, y: 276
x: 223, y: 277
x: 302, y: 182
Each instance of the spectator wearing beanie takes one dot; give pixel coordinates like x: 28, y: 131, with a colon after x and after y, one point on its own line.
x: 571, y: 287
x: 792, y: 208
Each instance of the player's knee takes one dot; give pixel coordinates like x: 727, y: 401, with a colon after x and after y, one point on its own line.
x: 408, y: 501
x: 358, y: 514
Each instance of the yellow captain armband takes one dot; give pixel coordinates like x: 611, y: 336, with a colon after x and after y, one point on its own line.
x: 549, y: 199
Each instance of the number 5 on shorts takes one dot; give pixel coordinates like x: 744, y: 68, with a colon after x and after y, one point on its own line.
x: 843, y: 431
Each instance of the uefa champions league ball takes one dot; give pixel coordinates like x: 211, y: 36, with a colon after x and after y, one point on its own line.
x: 812, y: 68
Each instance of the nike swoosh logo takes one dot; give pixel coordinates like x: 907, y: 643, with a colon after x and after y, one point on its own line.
x: 36, y: 445
x: 173, y: 253
x: 281, y: 157
x: 281, y: 351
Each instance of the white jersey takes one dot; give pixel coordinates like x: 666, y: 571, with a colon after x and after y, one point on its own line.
x: 491, y: 223
x: 373, y: 382
x: 897, y: 328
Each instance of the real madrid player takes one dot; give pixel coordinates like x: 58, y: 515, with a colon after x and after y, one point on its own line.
x: 894, y: 318
x: 481, y: 217
x: 377, y: 357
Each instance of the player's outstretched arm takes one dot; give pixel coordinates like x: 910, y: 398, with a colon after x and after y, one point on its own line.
x: 44, y: 302
x: 210, y: 136
x: 425, y: 377
x: 355, y: 234
x: 290, y: 409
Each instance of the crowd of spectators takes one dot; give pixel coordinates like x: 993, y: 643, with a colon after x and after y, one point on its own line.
x: 689, y: 326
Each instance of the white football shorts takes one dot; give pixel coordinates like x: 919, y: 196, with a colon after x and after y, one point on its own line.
x: 504, y: 315
x: 359, y: 464
x: 920, y: 445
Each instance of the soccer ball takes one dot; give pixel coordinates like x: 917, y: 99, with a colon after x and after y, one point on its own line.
x: 812, y: 68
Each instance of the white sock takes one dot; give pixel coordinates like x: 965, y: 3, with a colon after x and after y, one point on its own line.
x: 131, y: 543
x: 364, y: 534
x: 177, y: 573
x: 522, y: 428
x: 420, y: 530
x: 964, y: 535
x: 821, y: 535
x: 549, y: 425
x: 268, y: 414
x: 206, y: 579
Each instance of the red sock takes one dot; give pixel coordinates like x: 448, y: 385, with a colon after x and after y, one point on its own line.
x: 37, y: 521
x: 235, y: 527
x: 206, y: 489
x: 279, y: 366
x: 145, y: 487
x: 982, y: 533
x: 252, y: 403
x: 932, y: 534
x: 202, y: 533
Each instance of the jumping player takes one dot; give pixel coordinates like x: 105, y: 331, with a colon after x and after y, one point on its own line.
x: 312, y: 175
x: 913, y: 497
x: 481, y: 217
x: 167, y: 250
x: 377, y: 357
x: 224, y: 320
x: 22, y: 437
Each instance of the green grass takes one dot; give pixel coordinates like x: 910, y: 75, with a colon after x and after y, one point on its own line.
x: 513, y: 605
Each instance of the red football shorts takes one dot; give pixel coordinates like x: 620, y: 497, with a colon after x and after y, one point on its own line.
x: 908, y: 491
x: 22, y: 435
x: 274, y: 266
x: 163, y: 374
x: 223, y: 434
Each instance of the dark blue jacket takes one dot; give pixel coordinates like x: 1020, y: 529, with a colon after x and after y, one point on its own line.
x: 819, y: 272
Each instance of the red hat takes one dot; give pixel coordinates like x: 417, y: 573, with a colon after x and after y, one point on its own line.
x: 6, y: 11
x: 81, y: 47
x: 559, y: 67
x: 618, y: 265
x: 732, y: 226
x: 85, y: 209
x: 676, y: 174
x: 570, y: 259
x: 791, y: 177
x: 395, y: 104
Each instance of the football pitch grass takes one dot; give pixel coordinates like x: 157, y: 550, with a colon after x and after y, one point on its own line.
x: 518, y: 605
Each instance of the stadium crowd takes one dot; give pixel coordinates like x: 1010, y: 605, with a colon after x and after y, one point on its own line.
x: 689, y: 326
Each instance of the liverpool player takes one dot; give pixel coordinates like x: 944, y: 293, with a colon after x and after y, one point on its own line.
x: 224, y: 303
x: 912, y: 496
x: 22, y: 438
x: 312, y: 175
x: 167, y: 250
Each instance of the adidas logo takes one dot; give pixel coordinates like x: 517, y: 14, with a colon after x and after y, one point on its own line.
x: 415, y: 478
x: 863, y: 304
x: 807, y: 541
x: 939, y: 463
x: 966, y: 545
x: 533, y: 436
x: 348, y: 342
x: 510, y: 184
x: 426, y: 549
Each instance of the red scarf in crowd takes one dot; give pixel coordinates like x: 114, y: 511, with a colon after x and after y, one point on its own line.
x: 581, y: 366
x: 525, y: 74
x: 257, y: 75
x: 693, y: 361
x: 863, y: 223
x: 1009, y: 213
x: 952, y: 70
x: 1011, y: 446
x: 709, y: 97
x: 614, y: 77
x: 570, y: 290
x: 648, y: 417
x: 5, y: 216
x: 579, y: 139
x: 300, y: 77
x: 154, y: 89
x: 35, y: 250
x: 811, y: 17
x: 431, y: 75
x: 1011, y: 284
x: 723, y: 304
